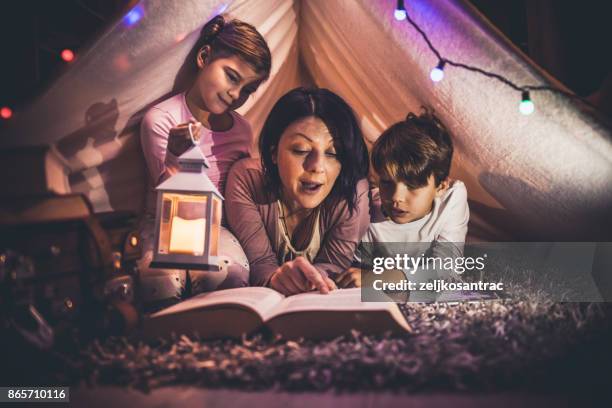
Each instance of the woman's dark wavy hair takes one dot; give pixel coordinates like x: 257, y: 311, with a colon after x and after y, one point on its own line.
x: 340, y: 120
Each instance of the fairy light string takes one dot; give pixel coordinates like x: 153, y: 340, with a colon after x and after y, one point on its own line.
x: 526, y: 106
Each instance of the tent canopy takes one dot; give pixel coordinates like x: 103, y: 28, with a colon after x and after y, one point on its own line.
x: 547, y: 176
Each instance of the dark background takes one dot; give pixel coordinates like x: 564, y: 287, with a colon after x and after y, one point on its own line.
x: 570, y: 39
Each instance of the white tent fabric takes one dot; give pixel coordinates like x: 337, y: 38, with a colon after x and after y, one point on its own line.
x: 547, y: 176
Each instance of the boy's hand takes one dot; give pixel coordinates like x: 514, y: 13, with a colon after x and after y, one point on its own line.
x: 351, y: 278
x: 179, y: 140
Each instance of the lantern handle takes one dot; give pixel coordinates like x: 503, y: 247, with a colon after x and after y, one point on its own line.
x: 191, y: 134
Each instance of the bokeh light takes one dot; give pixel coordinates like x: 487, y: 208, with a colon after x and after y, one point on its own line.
x: 6, y: 112
x: 133, y: 16
x: 67, y: 55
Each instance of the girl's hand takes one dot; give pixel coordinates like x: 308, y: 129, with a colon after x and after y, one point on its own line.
x: 179, y: 140
x: 351, y: 278
x: 299, y: 276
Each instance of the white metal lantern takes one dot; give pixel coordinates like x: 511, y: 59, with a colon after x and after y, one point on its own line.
x: 188, y: 219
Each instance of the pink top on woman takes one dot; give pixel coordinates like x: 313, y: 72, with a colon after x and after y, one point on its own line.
x: 221, y: 149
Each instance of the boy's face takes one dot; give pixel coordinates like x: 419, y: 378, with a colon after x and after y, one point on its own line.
x: 404, y: 204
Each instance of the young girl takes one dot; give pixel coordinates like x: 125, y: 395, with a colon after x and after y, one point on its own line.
x: 232, y: 60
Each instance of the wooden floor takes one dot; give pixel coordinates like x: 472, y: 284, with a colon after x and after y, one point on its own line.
x: 114, y: 397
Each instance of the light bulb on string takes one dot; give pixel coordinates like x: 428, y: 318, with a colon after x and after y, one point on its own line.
x: 133, y: 16
x: 526, y: 107
x: 437, y: 74
x: 400, y: 11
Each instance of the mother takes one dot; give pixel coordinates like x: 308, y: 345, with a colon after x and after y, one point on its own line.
x: 299, y: 212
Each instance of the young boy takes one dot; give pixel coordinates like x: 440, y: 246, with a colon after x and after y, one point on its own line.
x: 426, y: 212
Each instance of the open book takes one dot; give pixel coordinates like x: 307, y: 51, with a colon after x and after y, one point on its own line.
x: 233, y: 312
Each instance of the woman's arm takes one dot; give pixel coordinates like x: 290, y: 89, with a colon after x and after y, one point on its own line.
x: 245, y: 220
x: 344, y: 234
x: 243, y: 190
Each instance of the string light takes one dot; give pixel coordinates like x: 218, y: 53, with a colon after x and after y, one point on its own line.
x: 6, y: 112
x: 437, y: 74
x: 400, y: 11
x: 67, y: 55
x: 133, y: 16
x: 526, y: 107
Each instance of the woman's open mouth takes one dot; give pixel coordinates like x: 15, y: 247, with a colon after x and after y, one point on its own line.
x: 310, y: 187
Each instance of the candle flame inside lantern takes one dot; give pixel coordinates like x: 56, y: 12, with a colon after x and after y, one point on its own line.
x: 187, y: 236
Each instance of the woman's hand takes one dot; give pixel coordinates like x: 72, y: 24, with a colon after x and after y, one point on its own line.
x: 179, y: 140
x: 299, y: 276
x: 351, y: 278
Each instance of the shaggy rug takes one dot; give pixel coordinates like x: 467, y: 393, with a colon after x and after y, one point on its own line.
x: 487, y: 346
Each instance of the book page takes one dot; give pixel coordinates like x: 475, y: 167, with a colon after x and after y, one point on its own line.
x: 258, y: 299
x: 337, y: 300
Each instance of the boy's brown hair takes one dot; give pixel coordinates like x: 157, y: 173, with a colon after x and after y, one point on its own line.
x: 414, y: 149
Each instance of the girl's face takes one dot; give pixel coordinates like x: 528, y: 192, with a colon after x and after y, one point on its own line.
x: 224, y: 84
x: 307, y: 163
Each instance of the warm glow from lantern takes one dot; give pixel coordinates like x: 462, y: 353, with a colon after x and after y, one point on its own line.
x: 183, y: 224
x: 188, y: 217
x: 187, y: 236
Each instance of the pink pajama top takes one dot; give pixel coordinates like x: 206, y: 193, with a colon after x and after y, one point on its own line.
x: 221, y: 149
